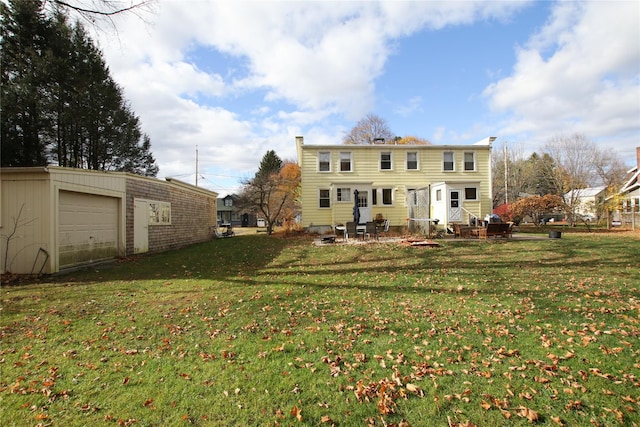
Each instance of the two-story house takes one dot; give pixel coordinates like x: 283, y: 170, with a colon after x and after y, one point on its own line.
x: 451, y: 183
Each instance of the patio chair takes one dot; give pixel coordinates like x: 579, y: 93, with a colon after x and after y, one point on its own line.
x: 385, y: 229
x: 371, y: 230
x: 350, y: 230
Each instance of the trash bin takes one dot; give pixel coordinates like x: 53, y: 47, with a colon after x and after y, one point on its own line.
x: 554, y: 234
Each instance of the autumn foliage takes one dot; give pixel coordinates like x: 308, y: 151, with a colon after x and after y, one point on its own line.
x: 535, y: 207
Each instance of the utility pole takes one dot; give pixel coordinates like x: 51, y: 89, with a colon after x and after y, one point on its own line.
x: 506, y: 174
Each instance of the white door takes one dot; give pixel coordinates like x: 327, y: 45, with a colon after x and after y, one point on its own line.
x: 363, y: 204
x: 87, y: 228
x: 455, y: 206
x: 140, y: 226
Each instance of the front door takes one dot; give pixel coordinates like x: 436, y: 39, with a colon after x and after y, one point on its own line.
x: 455, y: 206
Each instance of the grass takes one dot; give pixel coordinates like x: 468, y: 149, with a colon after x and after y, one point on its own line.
x: 264, y: 331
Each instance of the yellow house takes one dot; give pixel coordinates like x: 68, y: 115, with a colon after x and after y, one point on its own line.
x: 450, y: 183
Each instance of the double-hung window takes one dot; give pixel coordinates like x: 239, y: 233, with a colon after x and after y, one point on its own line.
x: 469, y: 161
x: 387, y: 196
x: 448, y: 161
x: 345, y: 161
x: 324, y: 198
x: 385, y: 161
x: 412, y: 161
x: 343, y: 194
x: 324, y: 161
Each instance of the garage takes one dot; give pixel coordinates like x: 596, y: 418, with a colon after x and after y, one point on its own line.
x: 87, y: 228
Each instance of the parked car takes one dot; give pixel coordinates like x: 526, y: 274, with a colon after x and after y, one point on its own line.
x: 588, y: 218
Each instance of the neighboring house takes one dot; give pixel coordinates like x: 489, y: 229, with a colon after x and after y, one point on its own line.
x: 586, y: 202
x: 228, y: 213
x: 451, y: 183
x: 630, y: 196
x: 53, y: 218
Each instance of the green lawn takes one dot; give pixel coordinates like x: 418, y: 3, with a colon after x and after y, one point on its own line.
x: 258, y: 330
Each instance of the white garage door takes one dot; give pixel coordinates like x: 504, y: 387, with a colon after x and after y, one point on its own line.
x: 87, y: 228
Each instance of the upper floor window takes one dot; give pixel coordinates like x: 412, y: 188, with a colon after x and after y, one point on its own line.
x: 412, y: 161
x: 343, y: 195
x: 324, y: 198
x: 448, y: 161
x: 469, y: 161
x: 345, y: 161
x: 324, y: 161
x: 385, y: 160
x: 228, y: 202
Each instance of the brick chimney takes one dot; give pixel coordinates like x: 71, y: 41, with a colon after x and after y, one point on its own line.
x: 638, y: 156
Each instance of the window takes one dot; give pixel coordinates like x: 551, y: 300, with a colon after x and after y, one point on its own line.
x: 385, y: 161
x: 471, y: 193
x: 447, y: 161
x: 387, y: 196
x: 324, y: 161
x: 324, y: 200
x: 469, y: 162
x: 374, y: 196
x: 228, y: 202
x: 345, y: 161
x: 412, y: 161
x: 159, y: 213
x: 343, y: 195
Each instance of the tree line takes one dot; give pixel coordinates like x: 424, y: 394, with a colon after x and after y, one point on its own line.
x: 567, y: 165
x: 60, y: 104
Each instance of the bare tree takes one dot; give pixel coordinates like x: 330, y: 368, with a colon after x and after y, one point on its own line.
x: 93, y: 11
x: 574, y: 156
x: 370, y: 130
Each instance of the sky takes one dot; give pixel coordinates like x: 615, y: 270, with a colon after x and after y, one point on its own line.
x: 219, y: 83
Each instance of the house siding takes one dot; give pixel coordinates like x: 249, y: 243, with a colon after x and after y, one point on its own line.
x: 366, y: 172
x: 193, y: 214
x: 34, y: 245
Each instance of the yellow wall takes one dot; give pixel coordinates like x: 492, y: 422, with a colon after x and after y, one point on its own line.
x: 365, y: 169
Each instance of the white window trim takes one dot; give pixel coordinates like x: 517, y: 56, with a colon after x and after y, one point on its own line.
x: 390, y: 161
x: 453, y: 155
x: 393, y: 197
x: 464, y: 165
x: 321, y: 198
x: 159, y: 213
x: 350, y: 162
x: 464, y: 193
x: 330, y: 162
x: 406, y: 164
x: 347, y: 193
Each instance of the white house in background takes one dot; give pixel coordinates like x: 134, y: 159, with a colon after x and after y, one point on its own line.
x: 585, y: 201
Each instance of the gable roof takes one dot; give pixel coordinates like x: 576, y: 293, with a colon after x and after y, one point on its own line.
x: 585, y: 192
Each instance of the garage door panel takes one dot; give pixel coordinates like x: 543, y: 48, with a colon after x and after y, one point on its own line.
x: 87, y: 228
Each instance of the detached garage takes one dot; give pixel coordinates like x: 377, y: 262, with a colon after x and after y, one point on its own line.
x: 53, y: 218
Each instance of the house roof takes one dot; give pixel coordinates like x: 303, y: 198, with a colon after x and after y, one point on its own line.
x: 585, y: 192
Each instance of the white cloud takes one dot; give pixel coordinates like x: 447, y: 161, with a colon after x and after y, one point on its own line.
x: 314, y: 64
x: 579, y: 73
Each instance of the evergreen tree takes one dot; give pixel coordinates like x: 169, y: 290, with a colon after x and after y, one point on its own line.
x: 60, y: 103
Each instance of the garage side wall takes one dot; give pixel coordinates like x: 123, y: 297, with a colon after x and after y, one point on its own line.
x: 193, y: 213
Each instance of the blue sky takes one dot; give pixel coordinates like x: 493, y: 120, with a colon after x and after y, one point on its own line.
x: 236, y: 79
